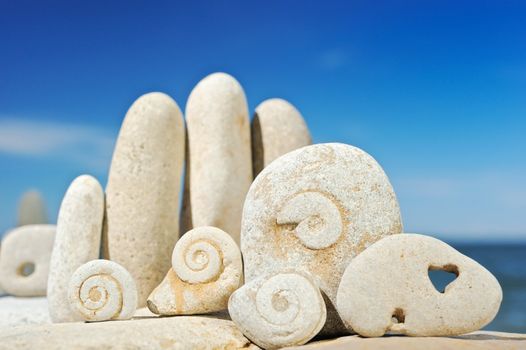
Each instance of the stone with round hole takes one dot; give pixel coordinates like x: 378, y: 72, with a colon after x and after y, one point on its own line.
x: 312, y: 210
x: 24, y: 262
x: 387, y: 288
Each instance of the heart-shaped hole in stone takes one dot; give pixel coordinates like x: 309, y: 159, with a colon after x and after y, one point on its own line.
x: 442, y: 276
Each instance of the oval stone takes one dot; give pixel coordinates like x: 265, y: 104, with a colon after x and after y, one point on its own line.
x: 277, y: 128
x: 79, y: 230
x: 219, y: 162
x: 387, y: 288
x: 313, y: 210
x: 142, y: 195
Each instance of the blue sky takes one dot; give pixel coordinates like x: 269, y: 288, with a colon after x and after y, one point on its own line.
x: 434, y: 90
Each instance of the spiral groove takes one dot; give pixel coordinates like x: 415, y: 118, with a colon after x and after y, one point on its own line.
x: 102, y: 290
x: 319, y: 221
x: 199, y: 255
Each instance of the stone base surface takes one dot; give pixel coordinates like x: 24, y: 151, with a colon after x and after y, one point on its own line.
x: 184, y: 332
x: 481, y: 340
x: 25, y: 324
x: 15, y: 311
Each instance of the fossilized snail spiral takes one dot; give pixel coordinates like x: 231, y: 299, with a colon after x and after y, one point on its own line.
x: 282, y: 310
x: 102, y: 290
x: 318, y: 219
x: 206, y: 269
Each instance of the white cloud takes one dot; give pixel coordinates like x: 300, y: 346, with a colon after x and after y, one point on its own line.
x: 85, y: 145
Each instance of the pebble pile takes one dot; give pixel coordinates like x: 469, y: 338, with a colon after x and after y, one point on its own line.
x: 293, y: 239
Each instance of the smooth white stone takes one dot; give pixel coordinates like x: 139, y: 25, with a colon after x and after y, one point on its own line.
x: 387, y: 288
x: 219, y: 161
x: 79, y: 230
x: 280, y: 310
x: 313, y: 210
x: 24, y: 262
x: 142, y: 196
x: 277, y: 129
x: 102, y: 290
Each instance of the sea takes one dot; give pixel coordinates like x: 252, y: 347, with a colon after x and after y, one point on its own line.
x: 507, y: 262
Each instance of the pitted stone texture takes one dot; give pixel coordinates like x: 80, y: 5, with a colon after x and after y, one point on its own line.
x: 163, y: 333
x: 142, y: 196
x: 206, y: 269
x: 219, y: 162
x: 314, y: 209
x: 279, y: 310
x: 31, y: 209
x: 79, y: 230
x: 277, y: 128
x: 387, y: 288
x: 24, y: 262
x: 102, y: 290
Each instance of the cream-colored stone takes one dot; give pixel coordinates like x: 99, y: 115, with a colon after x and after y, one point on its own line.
x: 163, y: 333
x: 313, y: 210
x: 387, y: 288
x: 206, y: 269
x: 142, y: 196
x: 24, y: 262
x: 277, y: 128
x: 79, y: 230
x: 219, y: 162
x: 31, y: 209
x: 482, y: 340
x: 284, y: 309
x: 18, y: 311
x: 102, y: 290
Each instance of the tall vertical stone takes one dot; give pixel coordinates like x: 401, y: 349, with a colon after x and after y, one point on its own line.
x: 277, y: 128
x: 219, y: 166
x: 31, y: 209
x: 77, y: 241
x: 142, y: 195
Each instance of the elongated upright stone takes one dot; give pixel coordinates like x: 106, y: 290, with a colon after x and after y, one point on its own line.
x: 142, y: 195
x: 31, y: 209
x: 79, y: 231
x: 313, y: 210
x: 219, y: 165
x: 277, y: 128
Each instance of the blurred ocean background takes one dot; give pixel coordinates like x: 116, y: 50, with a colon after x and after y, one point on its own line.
x: 507, y: 262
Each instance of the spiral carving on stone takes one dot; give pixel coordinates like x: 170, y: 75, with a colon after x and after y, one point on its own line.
x: 282, y: 310
x: 102, y: 290
x: 199, y: 255
x: 318, y: 219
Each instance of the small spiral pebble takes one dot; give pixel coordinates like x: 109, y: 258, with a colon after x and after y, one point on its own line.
x: 102, y: 290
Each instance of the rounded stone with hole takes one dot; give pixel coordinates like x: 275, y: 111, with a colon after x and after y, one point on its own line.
x: 102, y: 290
x: 313, y: 210
x: 206, y: 269
x: 279, y: 310
x: 24, y: 262
x: 387, y: 288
